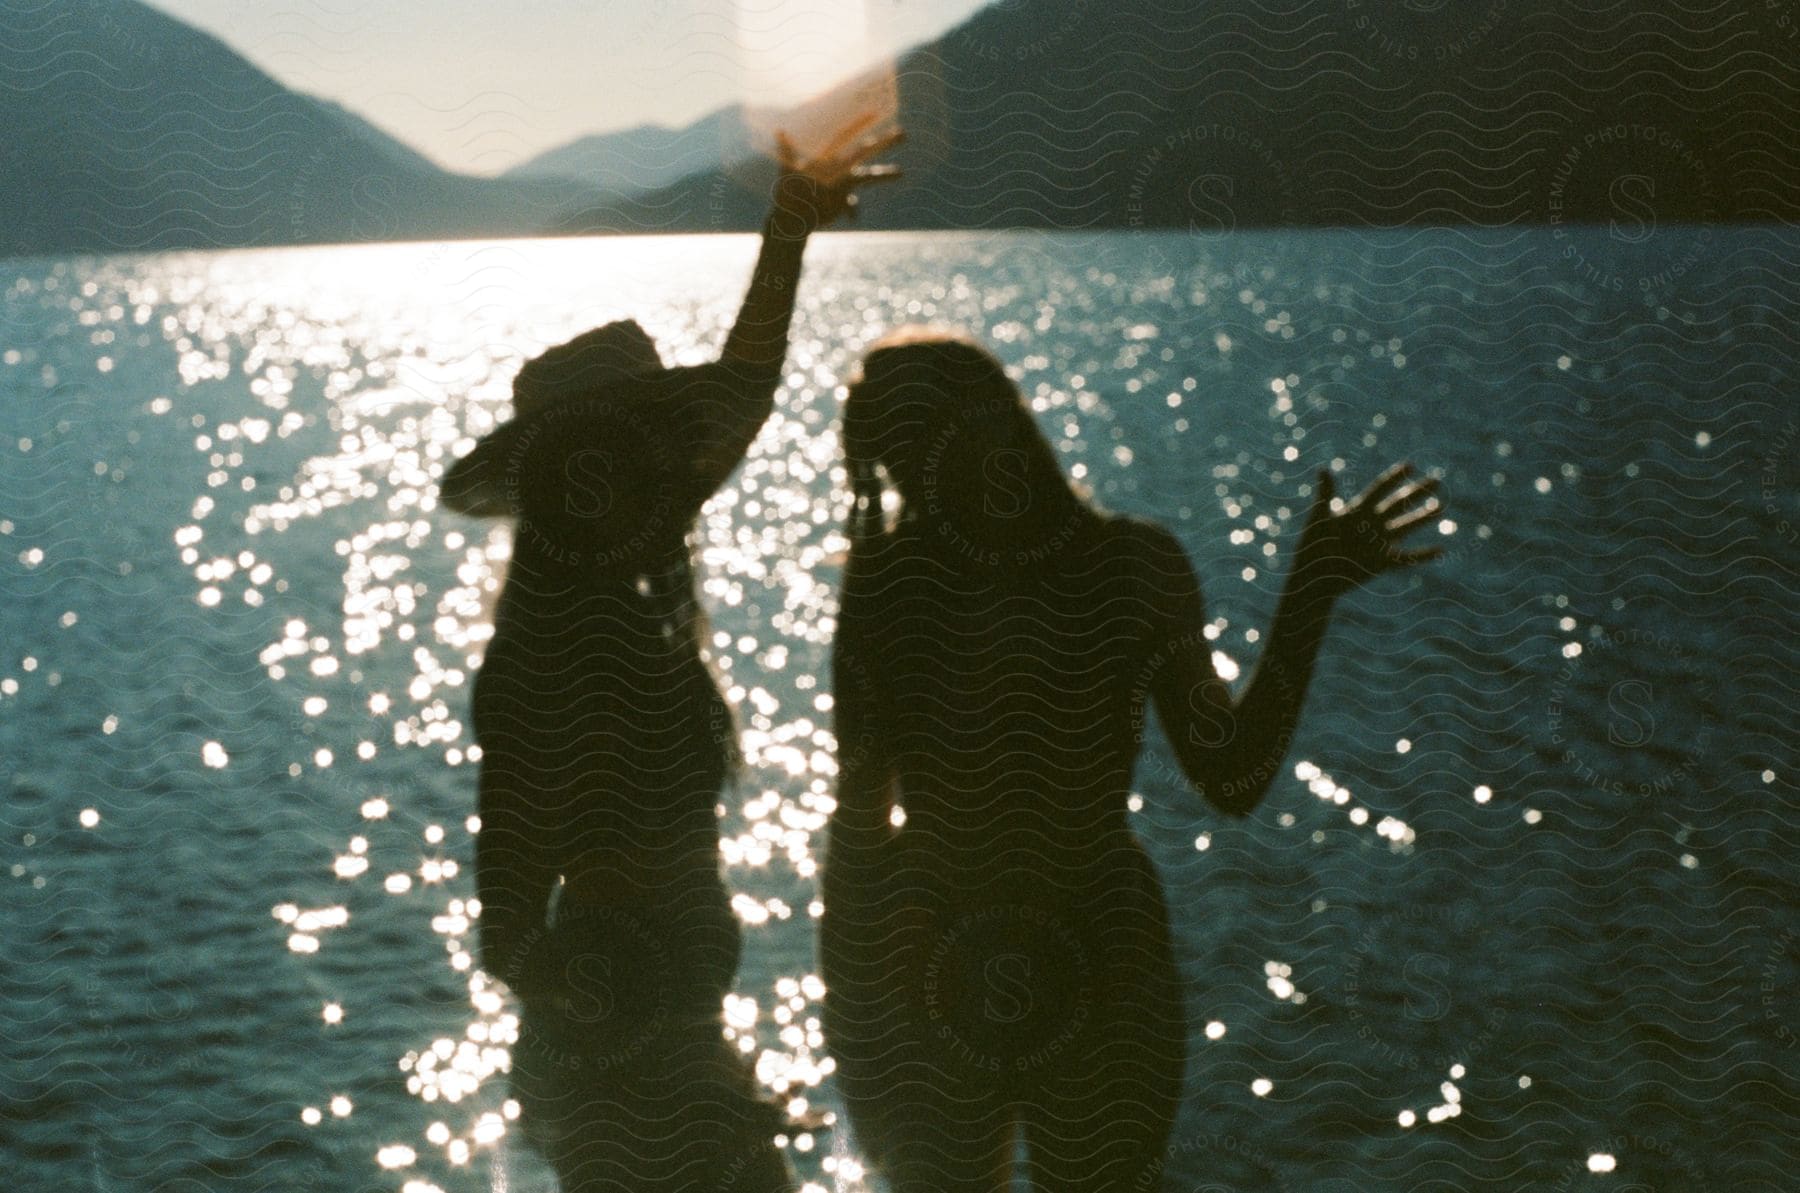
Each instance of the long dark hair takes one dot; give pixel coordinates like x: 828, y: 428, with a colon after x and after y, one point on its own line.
x: 934, y: 415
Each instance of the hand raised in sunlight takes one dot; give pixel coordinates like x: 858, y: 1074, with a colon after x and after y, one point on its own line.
x: 1362, y: 537
x: 813, y: 191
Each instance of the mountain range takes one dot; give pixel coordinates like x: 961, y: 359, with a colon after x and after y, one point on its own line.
x: 129, y: 130
x: 1245, y: 113
x: 642, y: 159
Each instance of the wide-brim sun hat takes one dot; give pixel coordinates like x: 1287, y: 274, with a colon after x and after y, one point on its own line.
x: 607, y: 359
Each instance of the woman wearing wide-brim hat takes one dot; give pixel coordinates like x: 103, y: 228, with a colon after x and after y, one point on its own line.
x: 605, y: 742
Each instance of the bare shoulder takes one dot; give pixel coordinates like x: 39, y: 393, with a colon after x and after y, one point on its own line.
x: 1152, y: 561
x: 1149, y: 545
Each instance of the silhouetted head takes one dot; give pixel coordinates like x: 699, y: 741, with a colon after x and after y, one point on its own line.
x: 590, y: 363
x: 935, y: 413
x: 595, y: 476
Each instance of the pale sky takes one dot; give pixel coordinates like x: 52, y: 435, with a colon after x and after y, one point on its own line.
x: 479, y: 85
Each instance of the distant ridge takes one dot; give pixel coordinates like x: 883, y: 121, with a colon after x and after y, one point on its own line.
x: 128, y: 130
x: 1237, y: 113
x: 636, y: 160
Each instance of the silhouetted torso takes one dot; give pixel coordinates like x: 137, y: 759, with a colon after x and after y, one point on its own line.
x: 1004, y: 957
x: 599, y: 691
x: 605, y: 748
x: 1007, y: 696
x: 605, y: 744
x: 994, y: 938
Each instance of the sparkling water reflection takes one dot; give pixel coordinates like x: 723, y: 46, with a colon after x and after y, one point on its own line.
x: 238, y: 592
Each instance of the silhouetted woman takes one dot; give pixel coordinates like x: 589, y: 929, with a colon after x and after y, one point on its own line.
x: 995, y: 943
x: 605, y: 743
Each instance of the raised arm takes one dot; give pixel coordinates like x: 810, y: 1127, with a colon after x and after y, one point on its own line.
x: 809, y: 194
x: 713, y: 412
x: 1232, y: 749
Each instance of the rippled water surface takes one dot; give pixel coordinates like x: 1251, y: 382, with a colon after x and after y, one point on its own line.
x: 1519, y: 913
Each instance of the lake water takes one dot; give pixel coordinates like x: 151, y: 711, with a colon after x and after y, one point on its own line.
x: 1521, y: 909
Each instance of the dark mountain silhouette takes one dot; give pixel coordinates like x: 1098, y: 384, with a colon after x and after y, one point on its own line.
x: 1238, y: 113
x: 128, y: 130
x: 646, y: 158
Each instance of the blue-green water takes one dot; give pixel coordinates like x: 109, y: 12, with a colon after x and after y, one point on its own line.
x: 1527, y: 884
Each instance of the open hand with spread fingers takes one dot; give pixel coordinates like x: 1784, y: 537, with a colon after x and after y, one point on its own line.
x: 813, y: 191
x: 1362, y: 538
